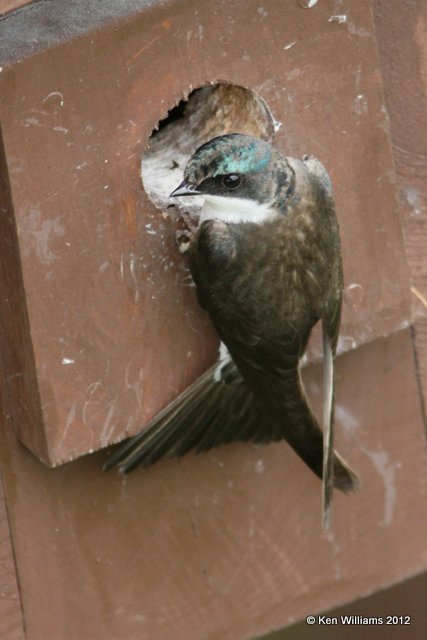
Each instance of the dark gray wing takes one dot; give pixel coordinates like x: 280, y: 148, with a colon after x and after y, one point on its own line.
x: 331, y: 318
x: 216, y: 409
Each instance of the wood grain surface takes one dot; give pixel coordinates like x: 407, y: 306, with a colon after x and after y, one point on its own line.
x: 10, y: 5
x: 227, y: 545
x: 401, y: 29
x: 11, y: 616
x: 115, y: 329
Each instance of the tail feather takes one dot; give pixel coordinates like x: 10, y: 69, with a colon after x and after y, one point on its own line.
x: 285, y: 403
x: 213, y: 412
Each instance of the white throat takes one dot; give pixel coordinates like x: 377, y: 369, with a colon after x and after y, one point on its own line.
x: 234, y: 210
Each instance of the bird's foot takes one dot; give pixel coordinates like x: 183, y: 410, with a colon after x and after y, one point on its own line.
x: 184, y: 237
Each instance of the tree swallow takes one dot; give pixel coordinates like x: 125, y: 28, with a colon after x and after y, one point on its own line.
x: 267, y: 267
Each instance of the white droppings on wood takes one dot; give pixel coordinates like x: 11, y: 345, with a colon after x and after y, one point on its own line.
x: 347, y: 420
x: 414, y: 199
x: 360, y: 104
x: 341, y: 19
x: 55, y: 94
x: 150, y: 230
x: 132, y: 269
x: 39, y: 234
x: 307, y: 4
x: 387, y: 471
x: 259, y: 466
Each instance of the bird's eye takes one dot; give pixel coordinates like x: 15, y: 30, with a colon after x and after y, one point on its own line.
x: 231, y: 180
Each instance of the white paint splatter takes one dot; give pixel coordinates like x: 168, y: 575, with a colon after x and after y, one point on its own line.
x: 387, y: 471
x: 413, y: 198
x: 360, y: 104
x: 132, y: 263
x: 38, y: 234
x: 345, y: 343
x: 34, y: 121
x: 347, y: 420
x: 341, y: 19
x: 53, y: 94
x: 259, y: 466
x: 68, y: 361
x: 307, y: 4
x: 150, y: 230
x: 403, y: 325
x: 358, y: 31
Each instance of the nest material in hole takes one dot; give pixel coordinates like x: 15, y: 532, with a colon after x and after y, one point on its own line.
x: 210, y: 111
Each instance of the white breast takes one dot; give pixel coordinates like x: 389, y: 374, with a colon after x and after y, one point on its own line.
x: 234, y: 210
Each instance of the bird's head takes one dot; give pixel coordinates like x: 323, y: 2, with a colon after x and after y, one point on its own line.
x: 239, y: 177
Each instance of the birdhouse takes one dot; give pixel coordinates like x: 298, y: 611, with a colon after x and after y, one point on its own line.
x: 100, y: 109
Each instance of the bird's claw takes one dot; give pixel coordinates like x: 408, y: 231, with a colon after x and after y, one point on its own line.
x: 184, y: 238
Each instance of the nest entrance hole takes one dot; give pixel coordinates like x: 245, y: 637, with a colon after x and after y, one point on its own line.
x: 207, y: 112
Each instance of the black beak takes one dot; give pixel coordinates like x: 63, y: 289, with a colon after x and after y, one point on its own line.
x: 185, y: 189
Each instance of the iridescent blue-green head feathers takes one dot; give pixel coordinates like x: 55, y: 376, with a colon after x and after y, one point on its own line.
x: 235, y: 166
x: 232, y: 153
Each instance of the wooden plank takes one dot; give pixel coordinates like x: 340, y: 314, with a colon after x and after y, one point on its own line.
x: 404, y: 600
x: 104, y: 368
x: 18, y: 384
x: 404, y: 70
x: 11, y: 620
x: 11, y: 5
x: 229, y: 544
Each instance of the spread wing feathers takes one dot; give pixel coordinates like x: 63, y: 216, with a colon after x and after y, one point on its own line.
x: 218, y: 408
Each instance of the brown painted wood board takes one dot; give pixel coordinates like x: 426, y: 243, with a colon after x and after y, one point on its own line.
x: 11, y: 5
x: 402, y: 39
x: 227, y: 544
x: 401, y: 601
x: 115, y: 333
x: 11, y: 617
